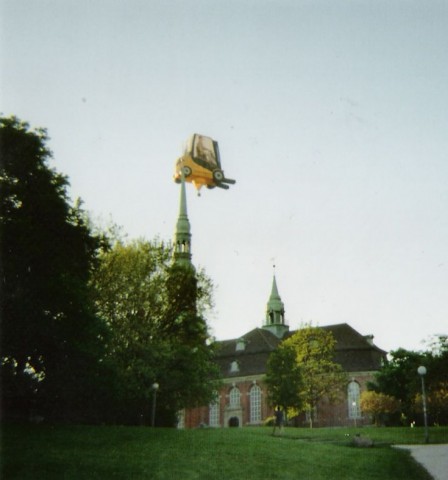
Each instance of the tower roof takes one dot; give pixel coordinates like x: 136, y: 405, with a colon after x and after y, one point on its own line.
x: 275, y: 302
x: 275, y: 313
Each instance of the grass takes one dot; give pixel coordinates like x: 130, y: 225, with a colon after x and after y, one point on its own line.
x: 83, y: 452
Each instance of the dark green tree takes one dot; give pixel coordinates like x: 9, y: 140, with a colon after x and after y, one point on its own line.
x: 398, y: 378
x: 438, y: 379
x: 193, y: 375
x: 51, y: 340
x: 284, y: 380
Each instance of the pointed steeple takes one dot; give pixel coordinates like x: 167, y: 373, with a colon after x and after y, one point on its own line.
x: 182, y: 235
x: 275, y: 312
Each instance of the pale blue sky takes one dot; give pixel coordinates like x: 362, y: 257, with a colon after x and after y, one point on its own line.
x: 331, y: 115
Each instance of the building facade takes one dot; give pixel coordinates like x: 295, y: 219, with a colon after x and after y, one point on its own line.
x: 243, y: 398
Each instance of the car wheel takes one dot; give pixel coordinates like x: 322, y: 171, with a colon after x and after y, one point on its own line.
x: 187, y: 171
x: 218, y: 175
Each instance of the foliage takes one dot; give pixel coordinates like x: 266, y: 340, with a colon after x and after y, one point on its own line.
x: 157, y: 335
x: 378, y: 405
x: 320, y: 377
x: 437, y: 380
x: 231, y: 453
x: 51, y: 340
x: 284, y: 379
x: 398, y: 377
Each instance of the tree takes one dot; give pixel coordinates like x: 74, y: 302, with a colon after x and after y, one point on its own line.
x: 284, y: 379
x: 51, y: 340
x: 398, y: 378
x: 321, y: 377
x: 378, y: 405
x: 193, y: 375
x: 438, y: 380
x: 153, y: 310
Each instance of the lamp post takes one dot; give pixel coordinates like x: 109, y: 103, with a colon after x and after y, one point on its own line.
x: 155, y: 387
x: 422, y: 372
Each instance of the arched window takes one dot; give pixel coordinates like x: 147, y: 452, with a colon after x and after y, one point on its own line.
x: 181, y: 419
x: 255, y: 404
x: 234, y: 397
x: 213, y: 416
x: 353, y: 398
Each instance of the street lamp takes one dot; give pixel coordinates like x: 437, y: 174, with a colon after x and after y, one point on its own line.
x: 422, y: 372
x: 155, y: 387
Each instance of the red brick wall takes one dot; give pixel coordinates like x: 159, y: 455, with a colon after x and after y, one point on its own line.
x: 327, y: 414
x: 197, y: 416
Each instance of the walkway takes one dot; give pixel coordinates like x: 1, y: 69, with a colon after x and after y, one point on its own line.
x: 433, y: 457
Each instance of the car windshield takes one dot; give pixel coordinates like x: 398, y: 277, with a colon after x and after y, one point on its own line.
x: 203, y: 152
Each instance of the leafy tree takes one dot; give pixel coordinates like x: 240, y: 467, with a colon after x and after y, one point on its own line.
x: 284, y: 379
x: 398, y: 378
x: 321, y: 377
x: 126, y: 290
x: 51, y: 340
x: 378, y: 405
x: 437, y: 381
x: 157, y: 332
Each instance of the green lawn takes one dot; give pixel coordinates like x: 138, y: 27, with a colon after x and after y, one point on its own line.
x: 82, y: 452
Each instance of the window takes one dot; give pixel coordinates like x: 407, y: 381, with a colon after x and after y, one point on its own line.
x: 234, y: 397
x: 353, y: 398
x: 234, y: 367
x: 255, y: 404
x: 240, y: 345
x: 213, y: 416
x: 181, y: 419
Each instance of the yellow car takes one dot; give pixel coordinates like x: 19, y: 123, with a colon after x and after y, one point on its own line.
x: 201, y: 164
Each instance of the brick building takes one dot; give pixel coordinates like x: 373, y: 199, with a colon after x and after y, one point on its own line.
x: 242, y: 401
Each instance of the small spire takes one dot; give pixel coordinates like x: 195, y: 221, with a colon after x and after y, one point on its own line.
x: 275, y: 303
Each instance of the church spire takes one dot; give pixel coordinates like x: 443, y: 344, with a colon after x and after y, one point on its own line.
x: 275, y: 312
x: 182, y: 235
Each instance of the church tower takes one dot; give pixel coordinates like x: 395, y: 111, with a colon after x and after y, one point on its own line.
x: 275, y: 313
x: 182, y: 235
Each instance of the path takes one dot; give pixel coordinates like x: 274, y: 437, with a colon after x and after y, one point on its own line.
x: 433, y: 457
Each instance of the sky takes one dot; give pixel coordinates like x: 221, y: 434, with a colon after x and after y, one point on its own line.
x: 332, y: 116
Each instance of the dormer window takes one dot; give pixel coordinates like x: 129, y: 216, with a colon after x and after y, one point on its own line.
x: 240, y: 345
x: 234, y: 367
